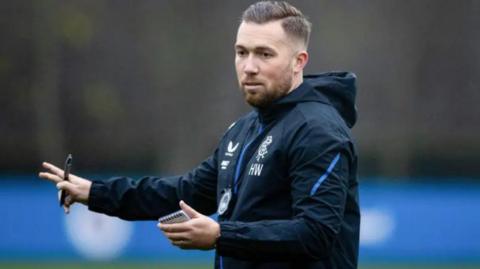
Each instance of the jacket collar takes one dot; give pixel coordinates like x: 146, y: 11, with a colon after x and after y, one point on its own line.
x: 303, y: 93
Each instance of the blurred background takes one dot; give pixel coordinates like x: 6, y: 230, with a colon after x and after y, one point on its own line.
x: 148, y: 88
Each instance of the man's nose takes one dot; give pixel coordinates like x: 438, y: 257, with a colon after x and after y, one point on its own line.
x: 250, y: 66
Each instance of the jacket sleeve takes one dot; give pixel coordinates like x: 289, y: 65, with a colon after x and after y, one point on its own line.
x: 151, y: 197
x: 319, y: 172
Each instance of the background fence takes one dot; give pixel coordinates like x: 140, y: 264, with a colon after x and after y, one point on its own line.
x: 426, y: 222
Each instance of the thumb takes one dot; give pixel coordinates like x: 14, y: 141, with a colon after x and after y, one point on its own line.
x: 190, y: 211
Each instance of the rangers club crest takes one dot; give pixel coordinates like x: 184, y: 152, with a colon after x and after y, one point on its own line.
x: 263, y: 150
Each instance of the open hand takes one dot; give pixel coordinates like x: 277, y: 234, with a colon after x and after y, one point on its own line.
x: 200, y: 232
x: 77, y: 188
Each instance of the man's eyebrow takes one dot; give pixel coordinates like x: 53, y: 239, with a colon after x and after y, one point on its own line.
x: 263, y: 48
x: 257, y: 48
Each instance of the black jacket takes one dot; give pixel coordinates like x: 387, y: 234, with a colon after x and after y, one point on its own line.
x: 292, y: 168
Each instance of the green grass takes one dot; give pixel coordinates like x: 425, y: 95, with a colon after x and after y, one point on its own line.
x: 136, y: 265
x: 80, y: 265
x: 419, y: 266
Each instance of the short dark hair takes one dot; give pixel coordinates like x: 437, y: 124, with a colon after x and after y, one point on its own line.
x: 294, y: 23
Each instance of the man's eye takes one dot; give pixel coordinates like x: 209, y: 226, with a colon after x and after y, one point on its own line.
x: 241, y: 53
x: 266, y: 55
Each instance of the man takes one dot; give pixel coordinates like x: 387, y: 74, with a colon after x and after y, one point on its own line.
x: 283, y: 178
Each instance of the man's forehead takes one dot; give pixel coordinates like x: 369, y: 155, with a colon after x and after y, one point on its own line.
x: 269, y: 34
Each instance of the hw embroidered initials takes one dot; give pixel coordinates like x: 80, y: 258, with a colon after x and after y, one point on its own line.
x: 255, y: 169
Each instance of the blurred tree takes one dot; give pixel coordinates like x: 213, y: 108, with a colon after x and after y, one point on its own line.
x: 46, y: 96
x: 150, y: 86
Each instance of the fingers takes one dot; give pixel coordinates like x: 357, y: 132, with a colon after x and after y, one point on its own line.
x: 71, y: 194
x: 53, y: 174
x: 68, y: 201
x: 181, y: 240
x: 178, y: 236
x: 190, y: 211
x: 193, y: 234
x: 66, y: 209
x: 183, y: 244
x: 49, y: 176
x: 177, y: 233
x: 52, y: 168
x: 174, y: 228
x: 67, y: 186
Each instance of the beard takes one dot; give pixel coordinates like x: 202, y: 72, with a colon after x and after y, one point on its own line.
x: 264, y: 96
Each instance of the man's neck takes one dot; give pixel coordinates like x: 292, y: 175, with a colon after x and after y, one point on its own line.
x: 297, y: 80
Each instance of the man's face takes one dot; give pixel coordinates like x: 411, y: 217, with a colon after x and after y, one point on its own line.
x: 264, y: 61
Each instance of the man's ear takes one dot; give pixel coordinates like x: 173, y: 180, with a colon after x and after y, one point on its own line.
x: 301, y: 60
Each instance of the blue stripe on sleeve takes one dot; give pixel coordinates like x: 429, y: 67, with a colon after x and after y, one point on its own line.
x: 324, y: 176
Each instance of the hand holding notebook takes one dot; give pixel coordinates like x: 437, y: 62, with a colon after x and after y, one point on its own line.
x: 189, y: 229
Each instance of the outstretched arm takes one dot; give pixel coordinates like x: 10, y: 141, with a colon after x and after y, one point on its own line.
x: 149, y: 198
x: 145, y: 199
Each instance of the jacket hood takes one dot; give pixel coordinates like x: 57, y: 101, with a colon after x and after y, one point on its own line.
x: 340, y: 89
x: 335, y: 88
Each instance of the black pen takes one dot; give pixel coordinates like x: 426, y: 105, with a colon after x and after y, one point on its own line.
x: 66, y: 173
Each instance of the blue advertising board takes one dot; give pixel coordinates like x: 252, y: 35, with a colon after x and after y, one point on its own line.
x: 401, y: 221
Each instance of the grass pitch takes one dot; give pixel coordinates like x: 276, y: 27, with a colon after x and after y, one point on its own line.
x: 135, y: 265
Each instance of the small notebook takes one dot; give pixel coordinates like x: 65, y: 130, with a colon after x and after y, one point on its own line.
x: 175, y: 217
